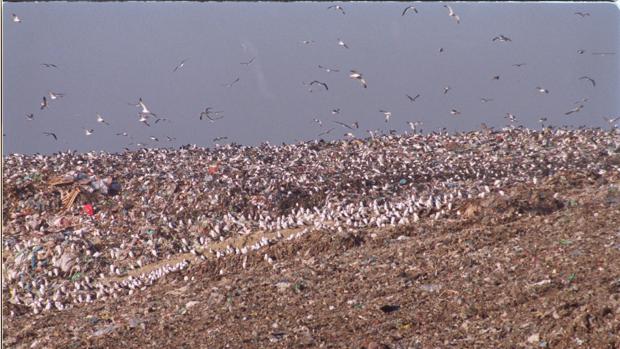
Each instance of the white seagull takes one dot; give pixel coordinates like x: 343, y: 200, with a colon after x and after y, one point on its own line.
x: 574, y: 110
x: 542, y: 90
x: 341, y: 43
x: 355, y: 75
x: 16, y: 19
x: 88, y: 131
x: 455, y: 112
x: 452, y: 14
x: 501, y: 38
x: 337, y: 7
x: 101, y: 120
x: 44, y: 103
x: 30, y: 116
x: 387, y: 114
x: 55, y: 95
x: 180, y: 65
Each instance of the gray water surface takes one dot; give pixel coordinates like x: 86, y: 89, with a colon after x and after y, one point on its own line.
x: 110, y: 54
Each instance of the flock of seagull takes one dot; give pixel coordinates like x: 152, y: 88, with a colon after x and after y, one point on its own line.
x: 145, y: 115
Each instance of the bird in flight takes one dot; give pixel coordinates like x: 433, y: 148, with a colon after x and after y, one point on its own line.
x: 589, y: 79
x: 581, y: 51
x: 574, y: 110
x: 501, y: 38
x: 318, y: 122
x: 329, y: 70
x: 316, y: 82
x: 519, y: 65
x: 15, y: 18
x: 325, y: 132
x: 124, y: 134
x: 49, y: 65
x: 355, y: 75
x: 455, y: 112
x: 511, y: 117
x: 101, y: 120
x: 144, y: 119
x: 409, y: 8
x: 232, y: 83
x: 414, y: 125
x: 248, y: 62
x: 44, y: 103
x: 161, y: 119
x: 446, y: 89
x: 343, y: 125
x: 336, y: 111
x: 30, y: 116
x: 611, y: 120
x: 171, y: 139
x: 55, y: 95
x: 542, y: 90
x: 88, y: 131
x: 211, y: 115
x: 386, y: 114
x: 51, y: 134
x: 341, y: 43
x: 180, y: 65
x: 412, y: 99
x: 145, y: 111
x: 441, y: 49
x: 337, y: 7
x: 221, y: 138
x: 154, y: 139
x: 452, y: 14
x: 582, y: 14
x: 485, y: 100
x: 308, y: 42
x: 496, y: 77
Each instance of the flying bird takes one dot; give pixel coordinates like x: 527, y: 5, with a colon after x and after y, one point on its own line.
x: 15, y: 18
x: 144, y: 119
x: 44, y: 103
x: 441, y: 49
x: 343, y: 125
x: 611, y: 120
x: 581, y: 51
x: 161, y: 119
x: 409, y: 8
x: 455, y: 112
x: 486, y: 100
x: 446, y: 89
x: 496, y: 77
x: 171, y: 139
x: 355, y: 75
x: 88, y: 131
x: 180, y: 65
x: 589, y: 79
x: 211, y: 115
x: 221, y: 138
x: 30, y: 116
x: 154, y: 139
x: 248, y: 62
x: 412, y: 99
x: 341, y: 43
x: 307, y: 42
x: 329, y: 70
x: 124, y: 134
x: 337, y: 7
x: 519, y: 65
x: 574, y: 110
x: 386, y: 114
x: 582, y: 14
x: 452, y: 14
x: 49, y: 65
x: 51, y: 134
x: 55, y: 95
x: 336, y: 111
x: 511, y: 117
x: 232, y: 83
x: 542, y: 90
x: 325, y: 132
x: 501, y: 38
x: 316, y: 82
x: 101, y: 120
x: 318, y: 122
x: 145, y: 110
x: 414, y: 125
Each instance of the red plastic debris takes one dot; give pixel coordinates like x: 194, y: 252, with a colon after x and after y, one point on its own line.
x: 88, y: 208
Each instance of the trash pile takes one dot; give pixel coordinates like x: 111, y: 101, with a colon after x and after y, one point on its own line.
x: 78, y: 226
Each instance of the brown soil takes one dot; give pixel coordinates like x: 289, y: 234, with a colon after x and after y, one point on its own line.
x: 523, y: 270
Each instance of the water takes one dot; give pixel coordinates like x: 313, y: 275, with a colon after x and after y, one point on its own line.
x: 110, y: 54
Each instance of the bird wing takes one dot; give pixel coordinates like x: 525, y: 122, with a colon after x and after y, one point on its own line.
x: 343, y: 124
